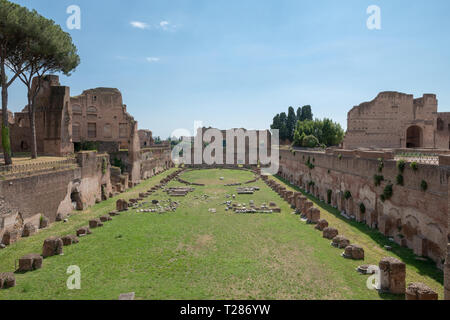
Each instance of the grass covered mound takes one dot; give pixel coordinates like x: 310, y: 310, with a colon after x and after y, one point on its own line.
x: 193, y: 253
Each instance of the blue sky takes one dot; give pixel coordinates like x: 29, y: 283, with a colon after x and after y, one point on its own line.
x: 237, y: 63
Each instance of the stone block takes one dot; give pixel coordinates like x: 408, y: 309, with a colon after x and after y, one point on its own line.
x: 52, y: 246
x: 69, y: 240
x: 330, y: 233
x: 84, y: 231
x: 392, y: 275
x: 127, y: 296
x: 314, y: 215
x: 9, y: 237
x: 105, y: 218
x: 95, y: 223
x: 321, y: 224
x: 354, y: 252
x: 28, y: 230
x: 420, y: 291
x: 30, y: 262
x: 121, y: 205
x: 340, y: 242
x: 7, y: 280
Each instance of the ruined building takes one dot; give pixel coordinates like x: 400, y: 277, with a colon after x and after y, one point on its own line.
x: 100, y: 115
x: 146, y: 138
x: 397, y: 120
x: 53, y: 121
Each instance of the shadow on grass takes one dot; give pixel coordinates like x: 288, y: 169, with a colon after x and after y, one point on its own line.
x: 424, y: 267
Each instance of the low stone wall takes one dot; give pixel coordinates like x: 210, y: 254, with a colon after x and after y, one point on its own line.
x: 52, y: 193
x: 414, y: 217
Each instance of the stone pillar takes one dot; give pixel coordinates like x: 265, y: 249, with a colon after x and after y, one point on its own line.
x: 392, y: 275
x: 339, y: 201
x: 350, y: 209
x: 307, y: 205
x: 420, y: 245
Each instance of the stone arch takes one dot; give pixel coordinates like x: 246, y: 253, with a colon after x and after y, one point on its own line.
x: 21, y: 122
x: 75, y: 197
x: 24, y: 146
x: 434, y: 233
x: 411, y: 227
x: 414, y: 137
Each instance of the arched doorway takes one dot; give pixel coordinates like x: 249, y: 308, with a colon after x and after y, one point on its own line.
x: 414, y: 137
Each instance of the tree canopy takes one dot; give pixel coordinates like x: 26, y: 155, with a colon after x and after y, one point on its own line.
x: 41, y: 47
x: 326, y: 132
x: 286, y: 123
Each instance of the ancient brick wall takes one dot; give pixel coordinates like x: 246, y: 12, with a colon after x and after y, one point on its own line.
x: 397, y: 120
x: 413, y: 217
x: 100, y: 115
x: 54, y: 192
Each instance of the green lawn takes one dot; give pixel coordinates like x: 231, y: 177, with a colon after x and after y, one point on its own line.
x: 195, y: 254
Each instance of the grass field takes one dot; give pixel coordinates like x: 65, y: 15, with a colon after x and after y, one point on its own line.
x: 195, y: 254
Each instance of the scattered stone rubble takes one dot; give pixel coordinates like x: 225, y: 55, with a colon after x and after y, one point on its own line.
x: 420, y: 291
x: 7, y: 280
x: 52, y: 246
x: 354, y: 252
x: 30, y: 262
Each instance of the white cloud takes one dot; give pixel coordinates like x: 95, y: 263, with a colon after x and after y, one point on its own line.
x: 152, y: 59
x: 139, y: 24
x: 164, y: 24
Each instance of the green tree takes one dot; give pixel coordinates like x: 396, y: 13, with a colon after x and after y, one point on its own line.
x: 306, y: 113
x: 290, y: 123
x: 46, y: 49
x: 284, y: 133
x: 326, y: 131
x: 276, y: 124
x: 13, y: 33
x: 299, y: 113
x: 310, y: 141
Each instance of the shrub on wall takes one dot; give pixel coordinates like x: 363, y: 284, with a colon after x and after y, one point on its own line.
x: 399, y: 179
x: 362, y: 208
x: 104, y: 165
x: 380, y: 165
x: 377, y: 179
x: 309, y: 164
x: 424, y: 185
x: 401, y: 165
x: 340, y: 156
x: 414, y: 166
x: 347, y: 195
x: 387, y: 193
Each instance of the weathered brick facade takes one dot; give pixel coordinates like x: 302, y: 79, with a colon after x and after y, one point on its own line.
x: 397, y: 120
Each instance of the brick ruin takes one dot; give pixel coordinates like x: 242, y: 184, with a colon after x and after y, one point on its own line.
x: 97, y: 116
x: 397, y: 120
x: 53, y: 121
